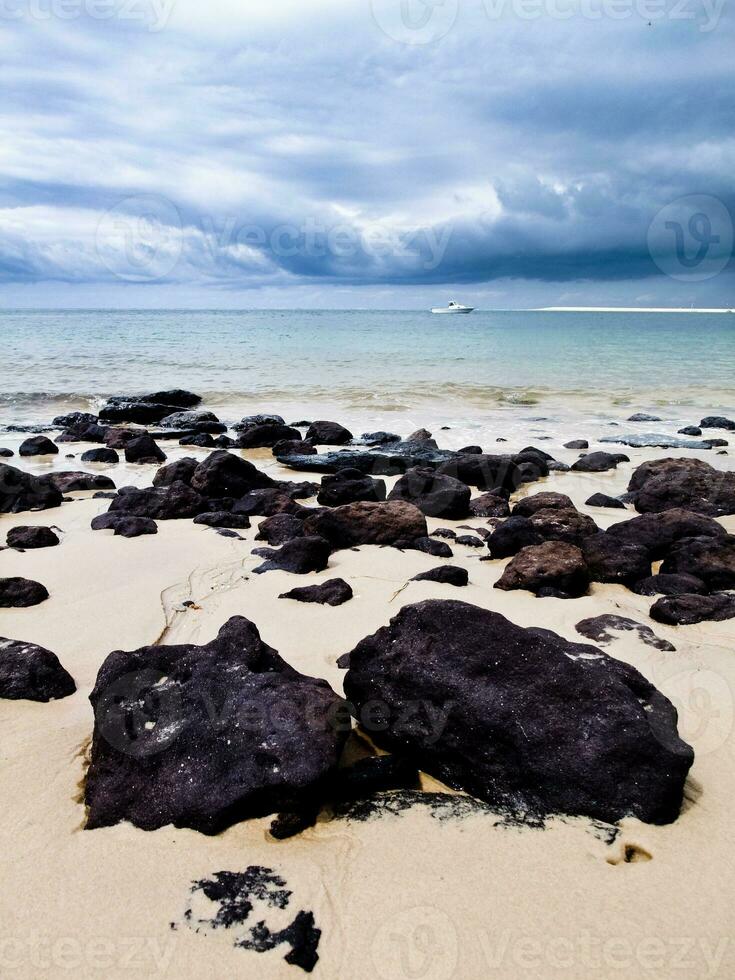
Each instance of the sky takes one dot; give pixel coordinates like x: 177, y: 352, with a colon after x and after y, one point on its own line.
x: 366, y: 153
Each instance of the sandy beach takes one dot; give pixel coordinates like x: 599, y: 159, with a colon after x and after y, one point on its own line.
x: 412, y: 886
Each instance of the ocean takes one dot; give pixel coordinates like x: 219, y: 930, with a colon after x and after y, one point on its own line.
x: 554, y: 373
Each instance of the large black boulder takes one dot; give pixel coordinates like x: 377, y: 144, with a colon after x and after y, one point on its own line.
x: 670, y: 585
x: 489, y: 505
x: 267, y: 503
x: 514, y: 534
x: 435, y: 494
x: 101, y: 455
x: 144, y: 449
x: 38, y: 446
x: 658, y: 532
x: 280, y: 528
x: 84, y: 432
x: 223, y: 519
x: 547, y: 500
x: 520, y: 718
x: 717, y: 422
x: 200, y: 422
x: 444, y: 575
x: 18, y: 593
x: 32, y: 673
x: 223, y: 474
x: 24, y: 538
x: 599, y: 462
x: 21, y: 491
x: 616, y: 561
x: 553, y: 568
x: 365, y: 522
x: 496, y: 473
x: 204, y: 737
x: 179, y: 471
x: 124, y: 525
x: 563, y: 525
x: 691, y: 484
x: 176, y: 500
x: 347, y: 486
x: 266, y: 435
x: 72, y: 481
x: 328, y: 434
x: 710, y: 559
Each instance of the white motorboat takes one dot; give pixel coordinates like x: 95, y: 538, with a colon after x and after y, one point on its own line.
x: 453, y: 308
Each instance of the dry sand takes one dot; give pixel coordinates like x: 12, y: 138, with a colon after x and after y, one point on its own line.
x: 407, y: 895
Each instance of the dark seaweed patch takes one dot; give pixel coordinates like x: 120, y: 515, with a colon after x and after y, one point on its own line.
x: 234, y: 894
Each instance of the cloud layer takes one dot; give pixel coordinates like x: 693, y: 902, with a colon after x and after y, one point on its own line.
x: 329, y: 153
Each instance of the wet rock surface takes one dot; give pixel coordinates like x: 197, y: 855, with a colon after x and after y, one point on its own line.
x: 603, y: 500
x: 38, y: 446
x: 328, y: 433
x: 334, y: 592
x: 102, y: 455
x: 32, y: 673
x: 159, y: 758
x: 223, y: 474
x: 710, y: 559
x: 522, y: 717
x: 599, y: 462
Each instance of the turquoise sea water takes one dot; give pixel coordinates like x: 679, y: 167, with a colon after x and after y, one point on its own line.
x: 376, y: 365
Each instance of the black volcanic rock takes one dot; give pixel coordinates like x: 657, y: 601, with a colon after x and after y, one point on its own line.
x: 293, y: 447
x: 24, y: 538
x: 124, y: 525
x: 496, y: 473
x: 253, y: 421
x: 179, y: 471
x: 84, y: 432
x: 692, y: 484
x: 177, y: 500
x: 710, y: 559
x: 658, y: 532
x: 20, y: 491
x: 603, y: 500
x: 365, y: 522
x: 17, y: 593
x: 101, y: 455
x: 32, y: 673
x: 6, y: 453
x: 202, y: 422
x: 74, y: 418
x: 299, y: 556
x: 224, y: 474
x: 717, y: 422
x: 328, y: 434
x: 267, y: 503
x: 223, y: 518
x: 670, y: 585
x: 563, y: 525
x: 266, y: 436
x: 616, y: 561
x: 547, y: 500
x: 577, y: 444
x: 644, y: 417
x: 657, y: 440
x: 427, y: 545
x: 159, y: 756
x: 444, y: 575
x: 376, y: 438
x: 73, y: 481
x: 685, y: 610
x: 514, y: 534
x: 348, y: 486
x: 599, y: 462
x: 690, y: 430
x: 334, y: 592
x: 280, y: 528
x: 489, y: 505
x: 552, y: 568
x: 388, y: 460
x: 144, y: 449
x: 435, y: 494
x: 38, y: 446
x: 527, y: 720
x: 201, y: 439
